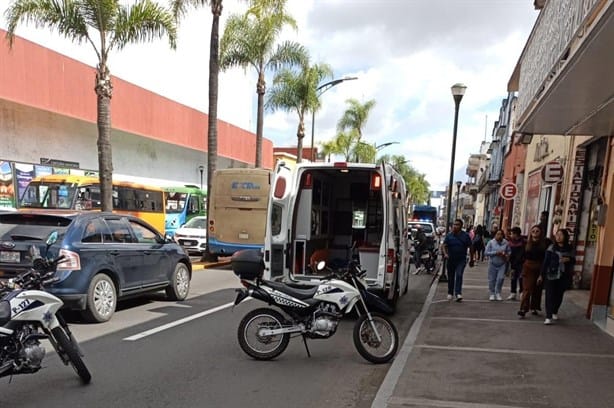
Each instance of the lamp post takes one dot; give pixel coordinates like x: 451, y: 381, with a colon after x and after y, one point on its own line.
x: 201, y: 169
x: 321, y: 89
x: 458, y: 186
x: 458, y: 90
x: 379, y: 147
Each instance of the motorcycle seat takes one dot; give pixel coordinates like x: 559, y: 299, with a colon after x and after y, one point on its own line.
x: 5, y: 312
x: 301, y: 294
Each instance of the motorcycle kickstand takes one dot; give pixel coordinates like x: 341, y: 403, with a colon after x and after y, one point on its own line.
x: 306, y: 348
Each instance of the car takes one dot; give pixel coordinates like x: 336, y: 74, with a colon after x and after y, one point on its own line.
x: 192, y: 236
x: 107, y: 257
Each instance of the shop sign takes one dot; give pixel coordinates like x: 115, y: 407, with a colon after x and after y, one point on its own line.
x: 575, y: 194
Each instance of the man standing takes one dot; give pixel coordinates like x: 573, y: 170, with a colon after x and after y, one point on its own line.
x: 455, y: 246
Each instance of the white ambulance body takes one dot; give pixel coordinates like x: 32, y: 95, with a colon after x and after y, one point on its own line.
x: 337, y: 212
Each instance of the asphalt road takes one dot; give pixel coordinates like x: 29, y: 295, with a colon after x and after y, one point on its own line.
x: 195, y: 361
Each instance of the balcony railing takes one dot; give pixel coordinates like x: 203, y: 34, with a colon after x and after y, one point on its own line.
x: 548, y: 48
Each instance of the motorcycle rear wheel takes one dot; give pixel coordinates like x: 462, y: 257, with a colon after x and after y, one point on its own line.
x: 71, y: 352
x: 262, y: 347
x: 366, y: 343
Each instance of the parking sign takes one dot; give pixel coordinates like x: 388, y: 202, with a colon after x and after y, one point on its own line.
x: 508, y: 191
x: 552, y: 172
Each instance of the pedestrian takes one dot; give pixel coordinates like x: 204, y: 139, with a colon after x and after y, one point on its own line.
x: 543, y: 222
x: 455, y: 246
x: 534, y: 253
x: 516, y: 243
x: 498, y: 252
x: 477, y: 244
x: 556, y: 273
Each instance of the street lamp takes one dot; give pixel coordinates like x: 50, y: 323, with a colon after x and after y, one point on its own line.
x: 378, y: 148
x: 201, y: 168
x: 458, y: 186
x: 458, y: 90
x: 321, y: 89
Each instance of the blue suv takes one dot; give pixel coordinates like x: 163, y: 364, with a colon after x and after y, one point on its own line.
x: 107, y: 257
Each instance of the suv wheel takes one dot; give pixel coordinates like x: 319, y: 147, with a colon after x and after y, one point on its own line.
x: 101, y: 299
x: 180, y: 283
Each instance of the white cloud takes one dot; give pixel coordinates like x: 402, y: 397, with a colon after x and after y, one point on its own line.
x: 406, y: 54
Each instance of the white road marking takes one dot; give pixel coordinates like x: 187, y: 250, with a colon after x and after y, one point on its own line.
x: 512, y: 351
x: 178, y: 322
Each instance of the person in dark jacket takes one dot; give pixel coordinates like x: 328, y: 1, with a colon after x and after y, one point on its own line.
x: 556, y: 273
x: 455, y: 247
x: 534, y: 253
x: 516, y: 243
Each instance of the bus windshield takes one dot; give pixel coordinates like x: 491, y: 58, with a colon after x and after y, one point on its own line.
x: 175, y: 202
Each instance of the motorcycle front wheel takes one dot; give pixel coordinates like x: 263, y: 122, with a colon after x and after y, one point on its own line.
x: 254, y: 343
x: 70, y: 351
x: 366, y: 342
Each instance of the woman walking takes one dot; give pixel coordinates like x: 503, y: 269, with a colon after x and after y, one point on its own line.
x: 556, y: 273
x: 534, y: 253
x: 517, y: 244
x: 498, y: 252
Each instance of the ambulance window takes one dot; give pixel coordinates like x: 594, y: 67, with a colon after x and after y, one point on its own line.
x: 276, y: 214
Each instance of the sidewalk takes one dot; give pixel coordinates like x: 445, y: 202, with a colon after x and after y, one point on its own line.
x: 478, y: 353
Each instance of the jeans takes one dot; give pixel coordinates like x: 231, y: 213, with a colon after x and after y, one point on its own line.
x: 456, y: 268
x: 496, y: 276
x: 554, y: 294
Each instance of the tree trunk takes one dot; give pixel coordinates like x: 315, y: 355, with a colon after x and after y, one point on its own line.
x: 300, y: 135
x: 104, y: 92
x: 214, y: 69
x: 260, y: 90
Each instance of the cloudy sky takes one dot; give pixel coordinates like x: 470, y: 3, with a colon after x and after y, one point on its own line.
x: 406, y: 55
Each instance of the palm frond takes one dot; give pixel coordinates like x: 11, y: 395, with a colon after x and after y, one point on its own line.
x: 63, y: 16
x: 143, y: 21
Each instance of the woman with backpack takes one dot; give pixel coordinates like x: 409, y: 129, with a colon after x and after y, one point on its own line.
x: 557, y: 273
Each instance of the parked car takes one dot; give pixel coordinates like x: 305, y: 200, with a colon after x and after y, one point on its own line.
x: 192, y: 236
x: 108, y: 257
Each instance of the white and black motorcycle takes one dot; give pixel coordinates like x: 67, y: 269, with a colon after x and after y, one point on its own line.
x: 313, y: 312
x: 29, y: 314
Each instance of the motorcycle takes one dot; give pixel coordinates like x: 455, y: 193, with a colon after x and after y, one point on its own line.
x: 29, y: 314
x: 314, y: 313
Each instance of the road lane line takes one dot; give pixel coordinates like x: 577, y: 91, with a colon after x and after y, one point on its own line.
x: 178, y: 322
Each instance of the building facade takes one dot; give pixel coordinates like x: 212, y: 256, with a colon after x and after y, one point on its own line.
x: 48, y: 122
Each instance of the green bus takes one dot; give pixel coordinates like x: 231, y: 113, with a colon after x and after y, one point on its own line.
x: 183, y: 203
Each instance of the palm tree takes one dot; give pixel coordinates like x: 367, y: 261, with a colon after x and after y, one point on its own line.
x: 355, y: 116
x: 249, y: 40
x: 417, y: 186
x: 345, y: 143
x: 179, y: 9
x: 328, y: 149
x: 105, y: 25
x: 296, y: 91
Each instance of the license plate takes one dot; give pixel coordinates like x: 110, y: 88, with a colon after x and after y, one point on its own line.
x: 9, y: 256
x: 189, y: 243
x: 243, y: 236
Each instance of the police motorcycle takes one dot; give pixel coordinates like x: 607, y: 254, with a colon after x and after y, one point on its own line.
x: 312, y: 312
x: 29, y: 314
